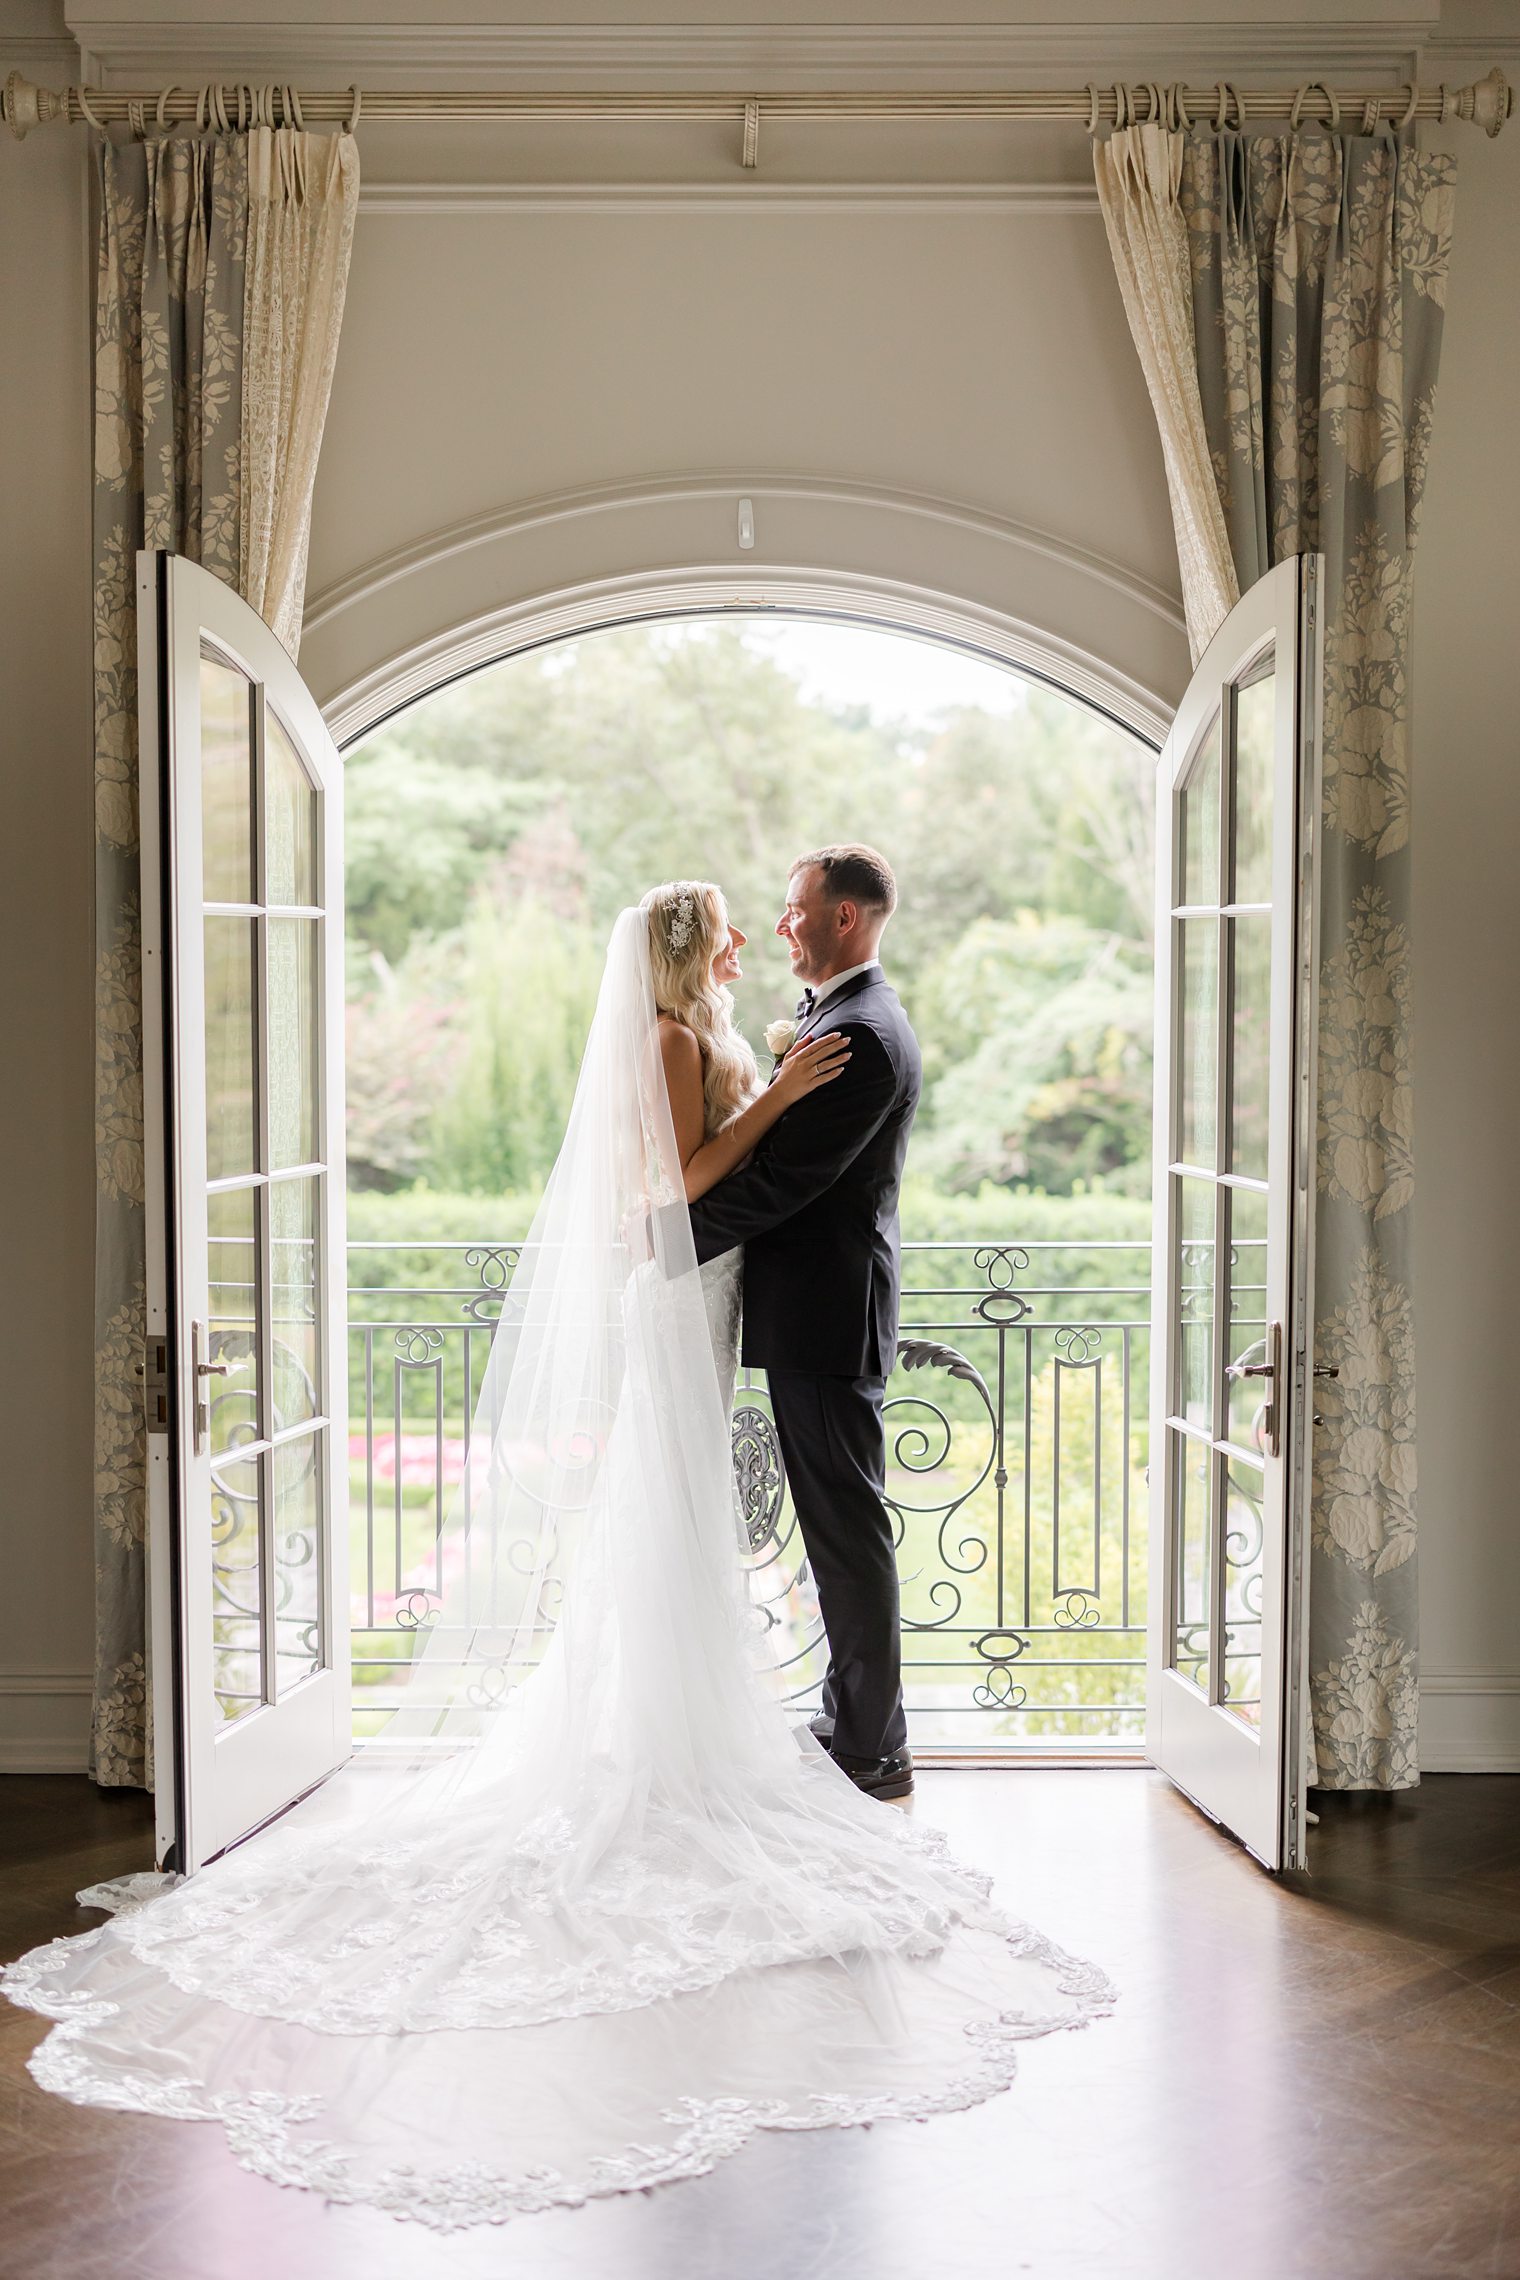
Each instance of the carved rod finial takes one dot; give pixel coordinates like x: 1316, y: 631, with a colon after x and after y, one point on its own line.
x: 26, y: 106
x: 1492, y: 100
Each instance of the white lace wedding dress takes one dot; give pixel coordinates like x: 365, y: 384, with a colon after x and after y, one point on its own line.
x: 603, y: 1911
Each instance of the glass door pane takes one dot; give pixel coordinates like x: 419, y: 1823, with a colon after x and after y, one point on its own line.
x: 1253, y: 757
x: 237, y: 1601
x: 263, y: 1361
x: 1244, y: 1541
x: 1222, y: 923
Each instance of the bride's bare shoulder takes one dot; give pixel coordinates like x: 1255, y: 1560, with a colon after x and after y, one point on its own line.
x: 680, y: 1047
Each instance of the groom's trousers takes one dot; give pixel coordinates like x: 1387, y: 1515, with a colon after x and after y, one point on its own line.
x: 833, y: 1443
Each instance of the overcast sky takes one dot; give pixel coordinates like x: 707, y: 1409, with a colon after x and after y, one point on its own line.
x: 896, y: 676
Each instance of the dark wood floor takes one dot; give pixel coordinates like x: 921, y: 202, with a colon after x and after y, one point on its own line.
x: 1314, y: 2077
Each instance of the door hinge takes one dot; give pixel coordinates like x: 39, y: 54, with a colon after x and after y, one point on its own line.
x: 153, y: 1369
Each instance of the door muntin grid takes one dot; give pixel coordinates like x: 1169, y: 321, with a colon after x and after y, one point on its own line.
x: 1222, y: 920
x: 266, y: 1405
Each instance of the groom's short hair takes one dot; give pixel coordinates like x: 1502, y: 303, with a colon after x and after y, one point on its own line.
x: 853, y: 873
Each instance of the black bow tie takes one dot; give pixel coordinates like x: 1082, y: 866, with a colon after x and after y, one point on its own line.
x: 804, y: 1005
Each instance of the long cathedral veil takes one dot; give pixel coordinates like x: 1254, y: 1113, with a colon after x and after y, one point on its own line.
x: 600, y: 1405
x: 598, y: 1911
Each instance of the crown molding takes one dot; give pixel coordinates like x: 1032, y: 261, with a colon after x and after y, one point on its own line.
x: 41, y: 56
x: 1470, y: 1682
x: 754, y: 56
x: 1050, y: 199
x: 1466, y: 55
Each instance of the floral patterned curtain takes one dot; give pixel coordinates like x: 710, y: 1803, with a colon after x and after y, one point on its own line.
x: 168, y: 412
x: 303, y: 194
x: 1318, y: 266
x: 1139, y: 177
x: 223, y: 263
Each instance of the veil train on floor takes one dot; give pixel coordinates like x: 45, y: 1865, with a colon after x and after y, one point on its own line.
x: 598, y: 1909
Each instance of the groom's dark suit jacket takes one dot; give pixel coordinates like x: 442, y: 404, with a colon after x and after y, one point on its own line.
x: 816, y: 1205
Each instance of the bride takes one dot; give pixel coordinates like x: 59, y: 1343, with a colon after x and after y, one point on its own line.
x: 596, y: 1910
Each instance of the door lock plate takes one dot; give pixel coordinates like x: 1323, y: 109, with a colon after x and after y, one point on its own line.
x: 154, y: 1372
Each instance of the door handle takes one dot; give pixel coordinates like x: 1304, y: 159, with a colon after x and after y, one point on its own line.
x: 199, y: 1371
x: 1270, y: 1369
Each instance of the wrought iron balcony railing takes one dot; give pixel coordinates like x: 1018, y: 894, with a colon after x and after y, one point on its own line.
x: 1017, y: 1422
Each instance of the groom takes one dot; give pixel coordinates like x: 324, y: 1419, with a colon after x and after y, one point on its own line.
x: 816, y: 1208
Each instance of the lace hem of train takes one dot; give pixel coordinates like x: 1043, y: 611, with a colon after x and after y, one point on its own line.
x: 408, y: 1949
x: 260, y: 2129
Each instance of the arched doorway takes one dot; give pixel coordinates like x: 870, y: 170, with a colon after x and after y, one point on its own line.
x: 1018, y: 1447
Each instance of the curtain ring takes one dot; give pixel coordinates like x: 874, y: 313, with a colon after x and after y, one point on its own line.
x: 137, y: 119
x: 219, y: 119
x: 202, y: 95
x: 1331, y: 98
x: 1372, y: 112
x: 1121, y: 106
x: 355, y: 107
x: 293, y: 113
x: 161, y: 107
x: 1234, y: 95
x: 1092, y: 108
x: 87, y: 111
x: 1182, y: 117
x: 244, y: 107
x: 1157, y: 102
x: 1411, y: 106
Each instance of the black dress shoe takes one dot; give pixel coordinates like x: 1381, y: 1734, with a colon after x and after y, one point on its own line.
x: 880, y: 1777
x: 822, y: 1729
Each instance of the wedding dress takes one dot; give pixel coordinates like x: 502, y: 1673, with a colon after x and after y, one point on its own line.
x: 598, y: 1910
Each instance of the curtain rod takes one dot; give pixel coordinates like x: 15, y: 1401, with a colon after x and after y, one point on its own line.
x: 1487, y: 103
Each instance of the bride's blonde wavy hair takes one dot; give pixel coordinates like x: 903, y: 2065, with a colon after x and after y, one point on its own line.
x: 688, y: 927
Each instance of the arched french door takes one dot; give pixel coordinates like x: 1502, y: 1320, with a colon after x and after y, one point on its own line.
x: 872, y: 596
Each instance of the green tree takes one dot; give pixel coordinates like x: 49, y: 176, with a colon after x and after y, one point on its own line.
x: 422, y: 832
x: 580, y: 775
x: 1039, y: 1058
x: 530, y: 974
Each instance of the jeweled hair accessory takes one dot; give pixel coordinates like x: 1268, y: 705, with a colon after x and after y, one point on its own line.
x: 680, y: 924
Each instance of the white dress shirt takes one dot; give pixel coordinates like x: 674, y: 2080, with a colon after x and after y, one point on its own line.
x: 825, y: 990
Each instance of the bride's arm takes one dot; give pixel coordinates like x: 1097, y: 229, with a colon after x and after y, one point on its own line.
x: 705, y: 1162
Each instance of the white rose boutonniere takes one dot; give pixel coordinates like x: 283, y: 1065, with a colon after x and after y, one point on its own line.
x: 780, y: 1037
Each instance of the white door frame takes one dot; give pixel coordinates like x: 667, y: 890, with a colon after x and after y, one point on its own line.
x: 1251, y: 1781
x: 216, y: 1779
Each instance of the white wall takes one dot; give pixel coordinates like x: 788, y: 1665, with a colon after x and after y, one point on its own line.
x: 504, y: 345
x: 968, y: 362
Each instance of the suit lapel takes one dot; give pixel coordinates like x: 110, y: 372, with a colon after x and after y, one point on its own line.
x: 822, y: 1015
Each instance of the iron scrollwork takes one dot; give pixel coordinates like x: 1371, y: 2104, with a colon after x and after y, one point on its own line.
x: 759, y: 1475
